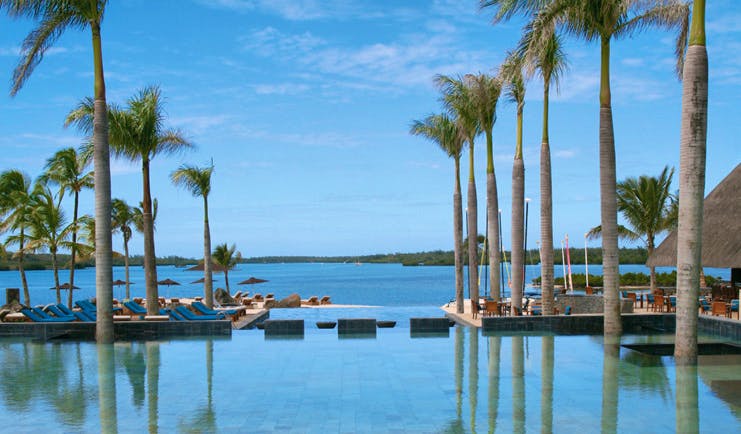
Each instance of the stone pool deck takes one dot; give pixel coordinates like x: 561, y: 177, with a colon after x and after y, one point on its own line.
x: 642, y: 320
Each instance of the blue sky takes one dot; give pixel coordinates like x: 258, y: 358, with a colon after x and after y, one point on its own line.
x: 305, y: 107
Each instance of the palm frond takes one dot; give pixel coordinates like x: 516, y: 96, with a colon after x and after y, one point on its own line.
x: 197, y: 180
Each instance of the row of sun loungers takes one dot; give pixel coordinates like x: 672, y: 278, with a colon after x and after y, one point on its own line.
x: 316, y: 301
x: 86, y: 312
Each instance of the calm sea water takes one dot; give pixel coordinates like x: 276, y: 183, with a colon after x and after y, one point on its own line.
x: 367, y: 284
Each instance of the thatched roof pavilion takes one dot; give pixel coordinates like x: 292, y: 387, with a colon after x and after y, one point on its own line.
x: 721, y: 230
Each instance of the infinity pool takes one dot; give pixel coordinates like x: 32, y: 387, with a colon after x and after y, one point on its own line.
x: 393, y: 383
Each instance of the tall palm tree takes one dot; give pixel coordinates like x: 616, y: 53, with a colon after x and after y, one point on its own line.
x: 548, y: 60
x: 514, y: 87
x: 122, y: 220
x: 485, y: 91
x: 54, y: 17
x: 138, y: 134
x: 646, y: 204
x: 48, y: 229
x: 197, y: 180
x: 67, y: 169
x: 443, y: 130
x: 693, y: 142
x: 228, y: 257
x: 602, y: 21
x: 458, y: 100
x: 15, y: 207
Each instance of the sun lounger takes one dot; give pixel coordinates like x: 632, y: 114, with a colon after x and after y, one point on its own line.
x: 82, y: 316
x: 35, y: 317
x: 88, y: 306
x: 312, y: 301
x: 204, y: 310
x: 134, y: 308
x: 40, y: 312
x: 325, y: 300
x: 190, y: 316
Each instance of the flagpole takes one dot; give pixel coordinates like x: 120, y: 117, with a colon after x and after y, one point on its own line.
x: 586, y: 259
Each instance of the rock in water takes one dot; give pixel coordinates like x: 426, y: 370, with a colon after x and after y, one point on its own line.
x: 293, y: 300
x: 223, y: 298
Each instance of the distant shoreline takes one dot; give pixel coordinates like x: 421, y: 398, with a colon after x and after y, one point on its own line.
x: 430, y: 258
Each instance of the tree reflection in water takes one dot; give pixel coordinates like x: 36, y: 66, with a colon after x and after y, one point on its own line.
x: 107, y: 388
x: 153, y: 379
x: 546, y: 385
x: 518, y: 384
x: 204, y: 419
x: 610, y: 363
x: 688, y: 416
x: 473, y: 374
x: 495, y: 347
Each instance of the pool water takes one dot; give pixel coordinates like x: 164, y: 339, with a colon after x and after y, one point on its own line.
x: 392, y: 383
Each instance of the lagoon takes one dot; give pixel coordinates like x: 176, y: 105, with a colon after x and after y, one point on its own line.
x: 367, y: 284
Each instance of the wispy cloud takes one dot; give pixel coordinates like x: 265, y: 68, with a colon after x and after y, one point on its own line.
x: 281, y: 89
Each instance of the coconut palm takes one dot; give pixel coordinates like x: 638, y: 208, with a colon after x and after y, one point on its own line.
x: 15, y: 208
x: 645, y: 203
x: 443, y: 130
x: 122, y: 220
x: 485, y: 91
x: 548, y: 60
x: 54, y: 17
x: 48, y: 229
x: 138, y: 134
x: 67, y: 169
x: 459, y: 101
x: 693, y: 142
x: 602, y: 21
x: 228, y: 258
x: 514, y: 87
x: 197, y: 180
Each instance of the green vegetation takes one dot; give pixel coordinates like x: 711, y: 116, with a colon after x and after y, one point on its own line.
x: 628, y: 279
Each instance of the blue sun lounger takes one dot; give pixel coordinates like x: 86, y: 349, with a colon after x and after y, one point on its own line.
x: 190, y: 316
x: 135, y: 308
x: 40, y: 312
x: 203, y: 309
x: 89, y: 307
x: 82, y: 316
x: 35, y: 317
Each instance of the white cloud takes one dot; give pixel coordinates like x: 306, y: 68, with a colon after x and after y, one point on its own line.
x: 124, y: 167
x: 198, y: 124
x: 281, y: 89
x: 565, y: 153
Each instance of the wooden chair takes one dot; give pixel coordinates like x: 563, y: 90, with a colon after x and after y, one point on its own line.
x: 325, y: 300
x: 632, y: 296
x: 492, y: 308
x: 474, y: 309
x: 719, y: 308
x: 658, y: 303
x: 650, y: 301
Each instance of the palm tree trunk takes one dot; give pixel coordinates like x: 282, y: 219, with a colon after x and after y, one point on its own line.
x: 73, y: 250
x: 150, y: 259
x: 608, y: 201
x: 652, y: 270
x: 458, y: 238
x: 693, y: 142
x: 24, y: 281
x: 473, y: 244
x: 126, y: 268
x: 55, y: 269
x: 546, y: 213
x: 518, y: 218
x: 492, y: 218
x: 208, y: 285
x: 226, y: 281
x: 102, y: 179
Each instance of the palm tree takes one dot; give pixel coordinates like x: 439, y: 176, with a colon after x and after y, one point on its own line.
x: 138, y: 133
x: 549, y: 61
x: 122, y: 219
x: 514, y: 86
x: 197, y: 180
x: 67, y: 169
x: 693, y: 142
x: 54, y: 17
x: 458, y: 100
x: 603, y: 21
x: 48, y: 229
x: 15, y: 207
x: 646, y: 203
x: 442, y: 130
x: 228, y: 258
x: 485, y: 90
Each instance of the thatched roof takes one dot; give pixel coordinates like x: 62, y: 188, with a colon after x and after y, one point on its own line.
x: 721, y: 229
x: 215, y: 268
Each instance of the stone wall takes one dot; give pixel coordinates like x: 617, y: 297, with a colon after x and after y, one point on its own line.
x: 581, y: 304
